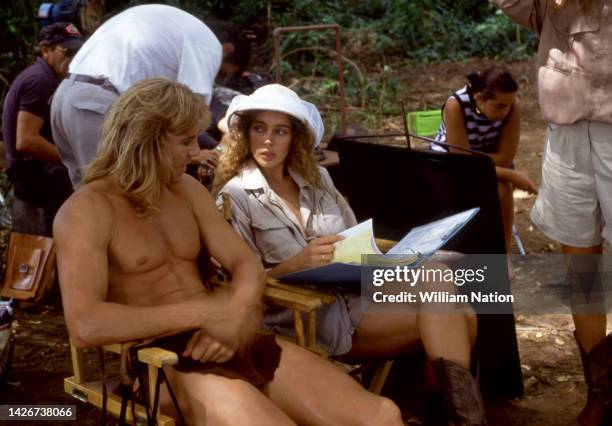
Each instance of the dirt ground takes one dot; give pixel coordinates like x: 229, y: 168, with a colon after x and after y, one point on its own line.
x: 554, y: 388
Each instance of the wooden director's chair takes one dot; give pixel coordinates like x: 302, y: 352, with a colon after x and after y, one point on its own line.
x: 304, y: 301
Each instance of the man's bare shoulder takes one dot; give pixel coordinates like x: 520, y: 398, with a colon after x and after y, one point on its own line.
x: 89, y: 207
x: 190, y: 187
x: 193, y: 191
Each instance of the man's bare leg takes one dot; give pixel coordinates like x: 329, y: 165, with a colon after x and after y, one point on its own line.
x: 590, y: 326
x: 588, y: 311
x: 208, y: 399
x: 313, y: 391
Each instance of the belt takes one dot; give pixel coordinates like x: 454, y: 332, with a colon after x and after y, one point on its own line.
x: 103, y: 82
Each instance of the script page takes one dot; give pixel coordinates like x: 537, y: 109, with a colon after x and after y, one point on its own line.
x: 428, y: 238
x: 358, y: 240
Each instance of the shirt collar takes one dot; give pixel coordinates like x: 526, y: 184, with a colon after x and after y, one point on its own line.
x: 252, y: 178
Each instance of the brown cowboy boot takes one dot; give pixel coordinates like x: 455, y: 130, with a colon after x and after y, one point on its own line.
x: 597, y: 367
x: 464, y: 404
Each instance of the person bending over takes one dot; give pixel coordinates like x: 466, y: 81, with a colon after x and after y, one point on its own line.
x: 485, y: 115
x: 149, y: 40
x: 127, y: 244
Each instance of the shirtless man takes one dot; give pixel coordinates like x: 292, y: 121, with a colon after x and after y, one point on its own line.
x: 127, y: 243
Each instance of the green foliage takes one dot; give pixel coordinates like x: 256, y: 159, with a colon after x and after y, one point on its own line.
x: 18, y: 30
x: 422, y: 30
x: 379, y: 36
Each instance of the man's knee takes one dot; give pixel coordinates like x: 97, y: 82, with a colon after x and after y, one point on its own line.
x: 221, y: 400
x: 385, y: 413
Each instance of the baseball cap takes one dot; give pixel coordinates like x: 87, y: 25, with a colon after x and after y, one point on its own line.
x: 275, y: 97
x: 64, y: 33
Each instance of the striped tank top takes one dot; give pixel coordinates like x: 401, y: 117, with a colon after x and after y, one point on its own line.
x: 483, y: 134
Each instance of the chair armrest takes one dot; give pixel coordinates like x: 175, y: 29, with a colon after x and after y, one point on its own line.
x: 294, y: 300
x: 156, y: 357
x: 385, y: 245
x: 324, y: 296
x: 114, y: 348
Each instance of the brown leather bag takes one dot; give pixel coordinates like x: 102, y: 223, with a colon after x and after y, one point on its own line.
x: 30, y: 267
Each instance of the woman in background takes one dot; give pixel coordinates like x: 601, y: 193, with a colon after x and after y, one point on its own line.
x: 485, y: 116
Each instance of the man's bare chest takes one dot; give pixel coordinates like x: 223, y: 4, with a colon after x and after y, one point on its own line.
x: 141, y: 244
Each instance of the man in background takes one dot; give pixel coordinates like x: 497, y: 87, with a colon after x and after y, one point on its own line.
x: 40, y: 181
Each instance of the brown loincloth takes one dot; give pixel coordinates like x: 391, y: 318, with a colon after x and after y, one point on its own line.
x: 255, y: 364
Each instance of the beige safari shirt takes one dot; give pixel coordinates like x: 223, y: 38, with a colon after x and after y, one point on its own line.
x: 574, y: 57
x: 272, y: 231
x: 270, y: 228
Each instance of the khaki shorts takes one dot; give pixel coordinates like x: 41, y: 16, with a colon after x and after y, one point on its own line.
x: 574, y: 204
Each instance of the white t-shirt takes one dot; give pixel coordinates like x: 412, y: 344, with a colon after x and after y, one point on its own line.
x: 152, y: 41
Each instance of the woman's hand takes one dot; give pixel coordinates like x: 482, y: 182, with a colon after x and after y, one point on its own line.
x: 318, y: 252
x: 522, y: 181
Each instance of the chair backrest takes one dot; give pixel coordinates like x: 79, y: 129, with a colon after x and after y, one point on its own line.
x: 402, y: 188
x: 424, y: 123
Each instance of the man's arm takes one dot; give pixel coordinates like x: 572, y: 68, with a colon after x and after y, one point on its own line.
x: 29, y: 140
x: 224, y: 244
x: 523, y: 12
x: 83, y: 230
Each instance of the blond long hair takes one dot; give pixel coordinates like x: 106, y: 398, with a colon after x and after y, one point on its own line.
x: 132, y: 148
x: 237, y: 152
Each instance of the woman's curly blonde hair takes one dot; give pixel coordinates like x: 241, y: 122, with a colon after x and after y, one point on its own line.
x: 132, y: 149
x: 237, y: 151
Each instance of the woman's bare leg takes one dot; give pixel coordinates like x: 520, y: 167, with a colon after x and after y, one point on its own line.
x: 446, y: 330
x: 448, y: 336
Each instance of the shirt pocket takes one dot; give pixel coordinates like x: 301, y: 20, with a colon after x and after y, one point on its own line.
x: 274, y: 240
x: 94, y: 98
x: 330, y: 220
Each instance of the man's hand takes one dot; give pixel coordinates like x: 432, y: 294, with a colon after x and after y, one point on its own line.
x: 234, y: 321
x: 204, y: 348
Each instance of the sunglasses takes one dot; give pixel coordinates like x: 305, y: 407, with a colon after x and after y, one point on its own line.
x: 68, y: 51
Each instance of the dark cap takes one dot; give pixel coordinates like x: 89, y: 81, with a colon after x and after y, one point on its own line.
x: 63, y: 33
